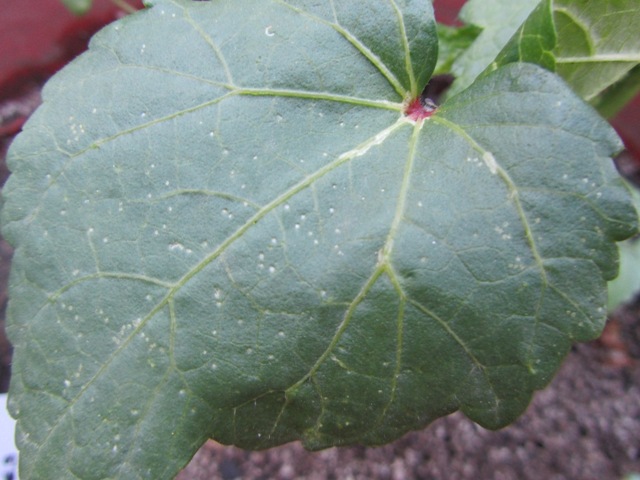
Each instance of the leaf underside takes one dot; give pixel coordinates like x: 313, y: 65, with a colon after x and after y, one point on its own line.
x: 226, y: 227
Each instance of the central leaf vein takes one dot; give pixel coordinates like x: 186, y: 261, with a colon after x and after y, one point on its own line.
x: 383, y: 267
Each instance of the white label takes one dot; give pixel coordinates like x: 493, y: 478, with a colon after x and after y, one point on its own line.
x: 8, y: 450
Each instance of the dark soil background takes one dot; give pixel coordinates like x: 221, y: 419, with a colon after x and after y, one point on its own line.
x: 584, y: 426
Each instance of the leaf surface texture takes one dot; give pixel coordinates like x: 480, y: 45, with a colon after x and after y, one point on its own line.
x: 226, y: 227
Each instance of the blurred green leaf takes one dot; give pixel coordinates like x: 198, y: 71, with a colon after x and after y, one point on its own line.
x: 453, y: 41
x: 78, y: 6
x: 627, y: 284
x: 618, y: 95
x: 598, y: 43
x: 499, y: 20
x: 533, y: 42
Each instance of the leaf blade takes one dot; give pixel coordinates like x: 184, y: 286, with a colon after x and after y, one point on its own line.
x: 210, y: 258
x: 597, y: 45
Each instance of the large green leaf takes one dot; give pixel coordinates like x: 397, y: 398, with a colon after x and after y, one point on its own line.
x: 226, y: 226
x: 598, y: 43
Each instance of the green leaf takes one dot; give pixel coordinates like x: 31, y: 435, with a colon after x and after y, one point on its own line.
x: 78, y: 6
x: 627, y: 283
x: 598, y: 43
x: 452, y: 42
x: 533, y: 42
x: 618, y: 95
x: 225, y: 226
x: 499, y: 20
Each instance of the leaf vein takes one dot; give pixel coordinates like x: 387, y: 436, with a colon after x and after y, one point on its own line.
x: 407, y: 51
x: 207, y: 38
x: 361, y: 47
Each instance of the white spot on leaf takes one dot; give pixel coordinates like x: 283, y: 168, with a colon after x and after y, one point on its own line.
x: 490, y: 161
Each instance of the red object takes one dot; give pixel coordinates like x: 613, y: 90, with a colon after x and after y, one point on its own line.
x: 447, y: 11
x: 627, y: 123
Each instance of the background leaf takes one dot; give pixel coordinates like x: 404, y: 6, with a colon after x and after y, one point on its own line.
x: 78, y: 6
x: 452, y: 42
x: 534, y: 41
x: 627, y: 283
x: 499, y: 20
x: 598, y: 43
x: 225, y: 226
x: 618, y: 95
